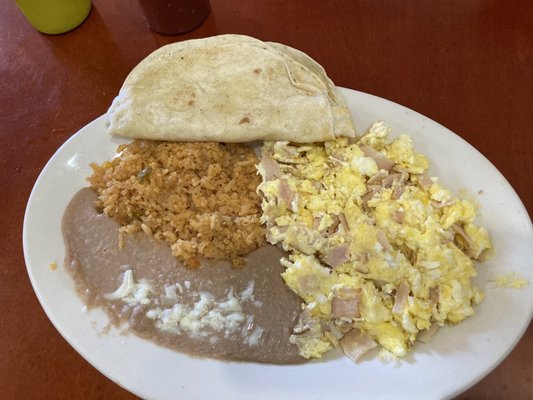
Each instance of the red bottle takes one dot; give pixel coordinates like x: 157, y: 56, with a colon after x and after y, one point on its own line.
x: 171, y: 17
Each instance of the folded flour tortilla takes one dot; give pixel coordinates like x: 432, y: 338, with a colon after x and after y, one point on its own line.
x: 229, y: 88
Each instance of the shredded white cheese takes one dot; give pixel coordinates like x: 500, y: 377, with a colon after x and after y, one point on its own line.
x: 253, y: 339
x: 248, y: 292
x: 131, y: 292
x: 201, y: 318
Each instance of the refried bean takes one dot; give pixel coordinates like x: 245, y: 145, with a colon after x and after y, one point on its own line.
x: 216, y: 311
x: 200, y: 198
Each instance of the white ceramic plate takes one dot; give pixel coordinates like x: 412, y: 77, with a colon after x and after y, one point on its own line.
x: 456, y: 358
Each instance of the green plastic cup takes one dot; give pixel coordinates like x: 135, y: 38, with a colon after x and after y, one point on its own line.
x: 55, y: 16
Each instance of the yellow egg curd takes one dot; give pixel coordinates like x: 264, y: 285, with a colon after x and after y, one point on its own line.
x: 378, y: 250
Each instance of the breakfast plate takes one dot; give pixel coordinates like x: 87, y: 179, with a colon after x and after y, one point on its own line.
x: 455, y: 359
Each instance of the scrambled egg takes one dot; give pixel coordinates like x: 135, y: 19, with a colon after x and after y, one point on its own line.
x: 375, y: 245
x: 512, y: 280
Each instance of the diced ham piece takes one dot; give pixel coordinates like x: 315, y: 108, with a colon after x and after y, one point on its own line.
x: 308, y: 284
x: 460, y: 231
x: 269, y: 166
x: 338, y: 159
x: 287, y: 154
x: 389, y: 180
x: 401, y: 297
x: 396, y: 179
x: 434, y: 294
x: 382, y: 161
x: 399, y: 216
x: 425, y: 180
x: 386, y: 181
x: 437, y: 204
x: 367, y: 197
x: 344, y: 223
x: 375, y: 188
x: 342, y: 327
x: 364, y: 257
x: 356, y: 343
x: 383, y: 241
x: 337, y: 255
x: 397, y: 192
x: 345, y: 303
x: 378, y: 177
x: 285, y: 193
x: 306, y: 324
x: 339, y: 156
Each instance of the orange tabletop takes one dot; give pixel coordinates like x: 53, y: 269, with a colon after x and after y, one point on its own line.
x: 467, y: 64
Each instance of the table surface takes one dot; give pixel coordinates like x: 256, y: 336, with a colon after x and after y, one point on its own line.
x: 466, y: 64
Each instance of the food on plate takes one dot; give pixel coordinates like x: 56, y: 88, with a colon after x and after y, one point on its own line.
x: 229, y: 88
x: 379, y: 251
x: 376, y: 253
x: 200, y: 198
x: 185, y: 188
x: 216, y: 311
